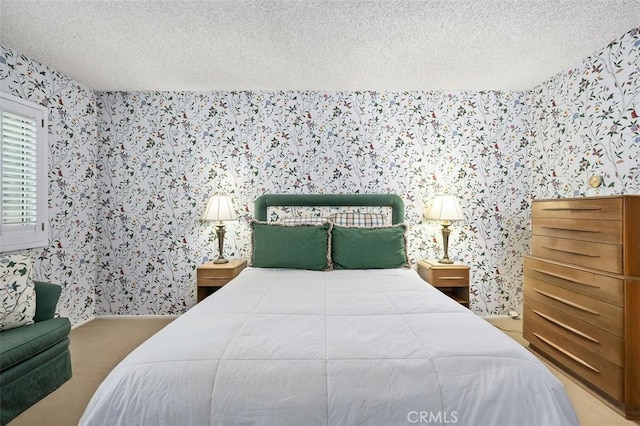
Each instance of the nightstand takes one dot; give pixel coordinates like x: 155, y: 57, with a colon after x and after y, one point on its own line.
x: 452, y: 280
x: 211, y: 276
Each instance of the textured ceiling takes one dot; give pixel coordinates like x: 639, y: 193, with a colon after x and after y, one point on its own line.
x: 313, y: 44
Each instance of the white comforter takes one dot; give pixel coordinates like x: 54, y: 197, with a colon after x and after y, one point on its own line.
x: 290, y: 347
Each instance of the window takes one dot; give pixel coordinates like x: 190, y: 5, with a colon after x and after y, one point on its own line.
x: 23, y: 174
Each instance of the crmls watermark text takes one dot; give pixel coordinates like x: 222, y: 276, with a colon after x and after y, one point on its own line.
x: 427, y: 417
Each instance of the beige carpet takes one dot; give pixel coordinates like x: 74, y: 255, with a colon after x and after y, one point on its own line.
x: 96, y: 347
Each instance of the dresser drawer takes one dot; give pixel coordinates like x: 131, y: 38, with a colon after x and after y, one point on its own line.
x: 578, y: 336
x: 595, y: 230
x: 603, y: 374
x: 596, y: 312
x: 606, y: 257
x: 607, y: 289
x: 585, y: 208
x: 215, y: 277
x: 449, y: 277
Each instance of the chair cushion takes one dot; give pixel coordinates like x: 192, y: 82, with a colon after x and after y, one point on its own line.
x: 19, y: 344
x: 17, y: 291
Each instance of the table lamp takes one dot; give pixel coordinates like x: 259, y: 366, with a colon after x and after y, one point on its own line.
x: 220, y: 208
x: 445, y: 209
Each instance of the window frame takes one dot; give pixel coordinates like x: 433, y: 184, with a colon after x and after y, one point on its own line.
x: 20, y: 236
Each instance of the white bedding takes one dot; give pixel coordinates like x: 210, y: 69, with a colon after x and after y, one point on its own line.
x: 291, y: 347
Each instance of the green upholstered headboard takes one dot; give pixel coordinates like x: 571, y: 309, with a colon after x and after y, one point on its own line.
x: 263, y: 202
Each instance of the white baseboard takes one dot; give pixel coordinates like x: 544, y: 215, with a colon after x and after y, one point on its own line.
x: 495, y: 316
x: 133, y: 316
x: 83, y: 322
x: 122, y: 317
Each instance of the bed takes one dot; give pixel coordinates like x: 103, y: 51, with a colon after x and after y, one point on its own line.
x: 332, y: 346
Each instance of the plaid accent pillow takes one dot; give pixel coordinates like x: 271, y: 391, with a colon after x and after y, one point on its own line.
x: 17, y: 291
x: 367, y: 220
x: 304, y: 220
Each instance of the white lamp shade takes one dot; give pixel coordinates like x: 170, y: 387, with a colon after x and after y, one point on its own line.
x: 220, y: 207
x: 445, y: 208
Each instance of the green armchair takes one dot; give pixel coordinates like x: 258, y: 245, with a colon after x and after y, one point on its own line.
x: 34, y: 359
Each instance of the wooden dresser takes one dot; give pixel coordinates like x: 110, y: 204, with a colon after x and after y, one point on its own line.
x: 582, y: 292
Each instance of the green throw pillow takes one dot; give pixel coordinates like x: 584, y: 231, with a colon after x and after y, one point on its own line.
x: 369, y: 248
x: 291, y: 246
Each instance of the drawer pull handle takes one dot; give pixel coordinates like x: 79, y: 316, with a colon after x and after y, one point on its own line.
x: 593, y: 231
x: 567, y: 353
x: 212, y: 278
x: 562, y: 277
x: 566, y: 302
x: 572, y: 252
x: 452, y: 278
x: 565, y: 326
x: 571, y: 209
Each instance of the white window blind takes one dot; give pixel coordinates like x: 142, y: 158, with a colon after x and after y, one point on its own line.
x: 23, y: 166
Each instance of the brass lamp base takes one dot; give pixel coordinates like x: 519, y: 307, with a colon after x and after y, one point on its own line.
x: 220, y: 230
x: 445, y: 241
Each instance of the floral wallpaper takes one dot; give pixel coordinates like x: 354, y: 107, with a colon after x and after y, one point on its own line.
x: 71, y: 258
x: 585, y: 122
x: 162, y: 154
x: 130, y: 171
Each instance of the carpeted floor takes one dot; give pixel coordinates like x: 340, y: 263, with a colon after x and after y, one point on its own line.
x: 97, y: 346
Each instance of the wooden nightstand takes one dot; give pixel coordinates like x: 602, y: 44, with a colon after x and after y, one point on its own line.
x: 212, y: 276
x: 452, y: 280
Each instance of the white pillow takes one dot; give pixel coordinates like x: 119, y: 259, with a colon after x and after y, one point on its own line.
x: 17, y: 291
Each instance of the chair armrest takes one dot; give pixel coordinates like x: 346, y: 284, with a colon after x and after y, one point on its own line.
x: 47, y: 296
